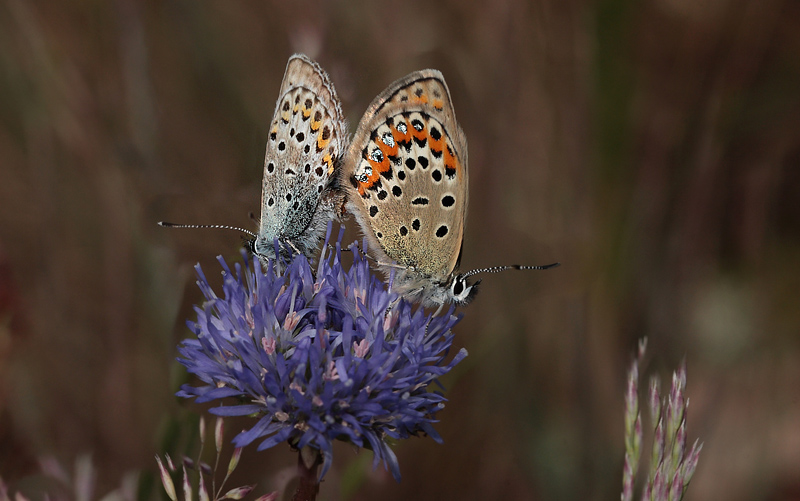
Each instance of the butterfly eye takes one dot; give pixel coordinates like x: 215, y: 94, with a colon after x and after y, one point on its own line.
x: 458, y: 286
x: 261, y: 248
x: 462, y: 292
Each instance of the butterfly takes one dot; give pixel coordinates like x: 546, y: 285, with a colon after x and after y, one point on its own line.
x: 405, y: 179
x: 306, y: 141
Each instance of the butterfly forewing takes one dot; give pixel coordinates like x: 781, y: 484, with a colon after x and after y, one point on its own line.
x: 307, y: 138
x: 406, y: 176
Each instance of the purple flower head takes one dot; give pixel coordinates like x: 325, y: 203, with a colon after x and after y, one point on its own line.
x: 334, y: 356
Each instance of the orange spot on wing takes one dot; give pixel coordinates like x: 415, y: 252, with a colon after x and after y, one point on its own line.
x: 450, y: 161
x: 327, y: 159
x: 438, y: 104
x: 434, y: 144
x: 363, y: 186
x: 399, y: 137
x: 388, y: 150
x: 419, y: 135
x: 377, y: 168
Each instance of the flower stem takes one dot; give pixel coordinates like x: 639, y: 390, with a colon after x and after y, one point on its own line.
x: 308, y: 462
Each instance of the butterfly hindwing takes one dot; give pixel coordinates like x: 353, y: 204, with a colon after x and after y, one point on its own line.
x: 406, y: 176
x: 306, y: 140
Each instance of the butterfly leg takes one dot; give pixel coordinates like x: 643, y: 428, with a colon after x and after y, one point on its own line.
x: 394, y: 265
x: 380, y: 263
x: 293, y: 246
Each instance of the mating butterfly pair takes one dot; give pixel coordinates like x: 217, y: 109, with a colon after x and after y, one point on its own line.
x: 403, y: 177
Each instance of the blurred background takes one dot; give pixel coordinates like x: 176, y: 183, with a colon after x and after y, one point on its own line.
x: 653, y: 148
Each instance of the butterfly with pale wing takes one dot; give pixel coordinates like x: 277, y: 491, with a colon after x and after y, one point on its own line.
x: 307, y: 138
x: 405, y: 177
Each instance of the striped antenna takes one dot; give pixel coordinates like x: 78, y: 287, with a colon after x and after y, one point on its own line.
x: 214, y: 226
x: 497, y: 269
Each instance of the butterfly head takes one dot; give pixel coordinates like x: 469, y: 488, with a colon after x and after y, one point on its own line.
x: 263, y: 249
x: 280, y: 251
x: 461, y: 292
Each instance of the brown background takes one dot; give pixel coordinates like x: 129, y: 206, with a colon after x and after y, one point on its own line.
x: 651, y: 147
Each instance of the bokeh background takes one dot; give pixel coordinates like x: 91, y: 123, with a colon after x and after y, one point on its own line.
x: 652, y: 147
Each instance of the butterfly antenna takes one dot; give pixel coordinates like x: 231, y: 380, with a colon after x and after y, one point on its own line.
x: 497, y: 269
x: 215, y: 226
